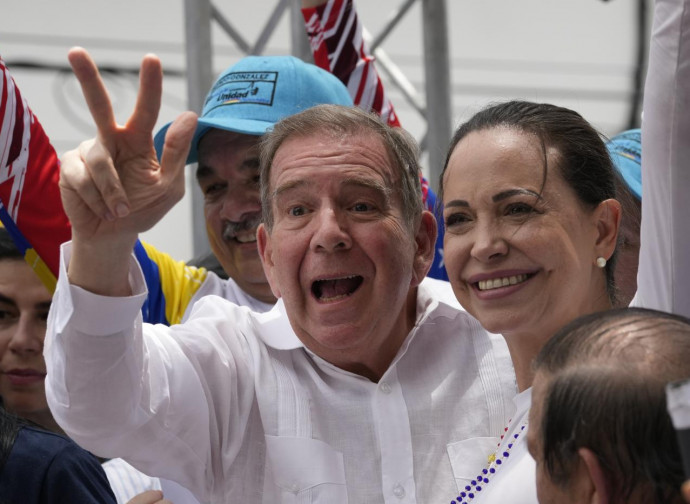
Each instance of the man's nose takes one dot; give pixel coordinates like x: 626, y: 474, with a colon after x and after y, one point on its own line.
x: 240, y: 202
x: 331, y: 233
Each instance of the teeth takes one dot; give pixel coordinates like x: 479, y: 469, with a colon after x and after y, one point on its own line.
x: 334, y: 298
x: 246, y: 239
x: 495, y: 283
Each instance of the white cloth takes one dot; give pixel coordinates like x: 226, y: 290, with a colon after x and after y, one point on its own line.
x: 238, y: 410
x: 227, y: 289
x: 125, y: 480
x: 665, y: 157
x: 514, y: 480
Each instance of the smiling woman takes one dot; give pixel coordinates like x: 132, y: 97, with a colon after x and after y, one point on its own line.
x: 532, y: 224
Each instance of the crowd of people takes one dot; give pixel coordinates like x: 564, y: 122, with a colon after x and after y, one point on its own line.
x: 339, y: 361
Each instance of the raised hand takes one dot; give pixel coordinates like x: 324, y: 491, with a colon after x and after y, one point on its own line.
x: 113, y: 187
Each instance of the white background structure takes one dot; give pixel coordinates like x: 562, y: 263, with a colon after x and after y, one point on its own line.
x: 576, y: 53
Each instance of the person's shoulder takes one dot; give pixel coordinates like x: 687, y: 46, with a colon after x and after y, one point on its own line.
x: 40, y: 440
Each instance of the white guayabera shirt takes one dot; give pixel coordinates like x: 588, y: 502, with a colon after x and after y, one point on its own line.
x: 232, y: 406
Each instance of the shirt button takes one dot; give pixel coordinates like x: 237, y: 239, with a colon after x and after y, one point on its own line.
x: 399, y: 491
x: 385, y: 388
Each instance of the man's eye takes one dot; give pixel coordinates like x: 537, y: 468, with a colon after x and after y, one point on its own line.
x: 213, y: 188
x: 361, y: 207
x: 297, y: 211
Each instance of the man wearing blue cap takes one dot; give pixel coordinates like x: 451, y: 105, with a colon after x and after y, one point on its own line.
x: 245, y: 101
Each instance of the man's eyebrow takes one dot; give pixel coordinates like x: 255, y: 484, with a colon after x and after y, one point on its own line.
x: 204, y: 170
x: 351, y: 181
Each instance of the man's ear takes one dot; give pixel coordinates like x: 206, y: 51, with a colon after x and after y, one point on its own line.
x: 608, y: 219
x: 263, y: 242
x: 592, y: 470
x: 425, y: 241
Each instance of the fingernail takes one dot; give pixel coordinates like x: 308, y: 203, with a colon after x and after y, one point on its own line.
x: 122, y: 210
x: 109, y: 217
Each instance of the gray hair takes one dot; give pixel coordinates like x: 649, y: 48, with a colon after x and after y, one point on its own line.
x: 338, y: 121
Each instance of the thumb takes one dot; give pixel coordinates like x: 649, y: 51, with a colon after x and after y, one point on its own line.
x: 178, y: 141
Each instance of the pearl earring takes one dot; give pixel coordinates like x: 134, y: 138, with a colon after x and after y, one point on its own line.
x: 601, y: 262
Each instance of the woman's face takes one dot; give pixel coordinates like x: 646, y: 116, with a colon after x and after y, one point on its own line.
x: 24, y: 305
x: 520, y: 251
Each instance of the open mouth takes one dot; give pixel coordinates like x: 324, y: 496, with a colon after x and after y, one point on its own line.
x: 249, y: 238
x: 334, y: 289
x: 497, y: 283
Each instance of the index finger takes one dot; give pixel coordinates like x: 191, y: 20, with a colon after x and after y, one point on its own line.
x: 93, y: 89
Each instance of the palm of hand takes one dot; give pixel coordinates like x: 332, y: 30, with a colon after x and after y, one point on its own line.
x: 113, y: 186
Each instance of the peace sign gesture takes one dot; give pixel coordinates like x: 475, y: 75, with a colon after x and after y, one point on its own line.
x: 113, y: 187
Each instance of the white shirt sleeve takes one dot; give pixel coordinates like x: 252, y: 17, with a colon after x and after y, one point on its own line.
x: 664, y: 273
x: 144, y: 394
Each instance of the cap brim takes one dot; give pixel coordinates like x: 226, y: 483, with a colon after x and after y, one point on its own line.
x: 245, y: 126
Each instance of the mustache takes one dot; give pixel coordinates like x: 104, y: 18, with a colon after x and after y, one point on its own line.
x: 231, y: 229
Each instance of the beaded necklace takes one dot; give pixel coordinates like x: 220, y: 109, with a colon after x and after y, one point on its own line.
x: 495, y: 463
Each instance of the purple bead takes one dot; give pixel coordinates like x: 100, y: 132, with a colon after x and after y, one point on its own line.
x: 479, y: 489
x: 499, y: 462
x: 506, y: 454
x: 468, y: 488
x: 471, y: 496
x: 492, y: 470
x: 473, y: 483
x: 485, y: 471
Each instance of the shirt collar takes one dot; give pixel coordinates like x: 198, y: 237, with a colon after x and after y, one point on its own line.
x: 275, y: 330
x: 435, y: 298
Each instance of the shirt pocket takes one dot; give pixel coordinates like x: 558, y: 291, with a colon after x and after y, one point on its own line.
x: 305, y: 471
x: 469, y: 456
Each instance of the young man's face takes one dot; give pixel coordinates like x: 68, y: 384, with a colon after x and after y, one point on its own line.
x: 228, y: 174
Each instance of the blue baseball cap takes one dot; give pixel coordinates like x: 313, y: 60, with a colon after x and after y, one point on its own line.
x: 257, y: 92
x: 626, y: 152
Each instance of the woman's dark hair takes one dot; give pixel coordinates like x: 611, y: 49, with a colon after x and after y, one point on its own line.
x: 583, y: 160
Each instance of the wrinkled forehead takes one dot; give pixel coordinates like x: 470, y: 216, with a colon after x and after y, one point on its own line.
x: 359, y: 155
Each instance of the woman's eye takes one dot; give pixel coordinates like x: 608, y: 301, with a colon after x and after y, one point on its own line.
x: 297, y: 211
x: 456, y: 219
x: 519, y: 209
